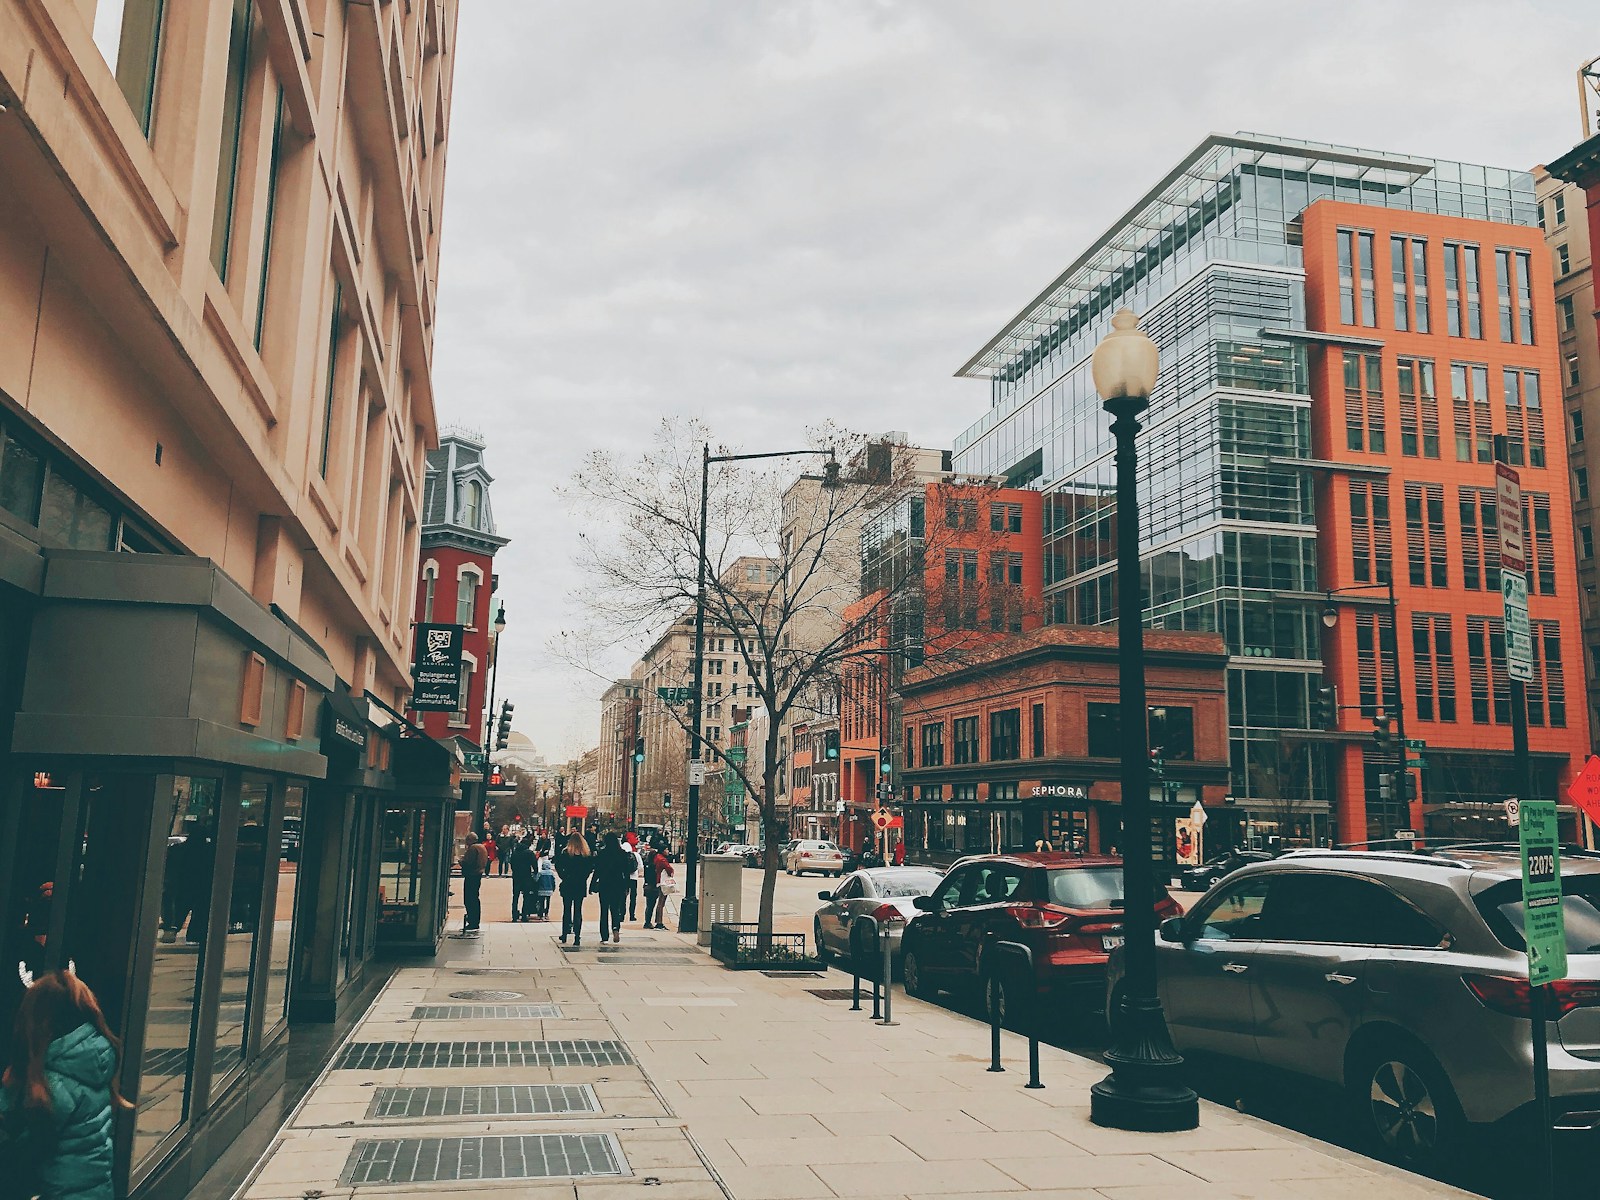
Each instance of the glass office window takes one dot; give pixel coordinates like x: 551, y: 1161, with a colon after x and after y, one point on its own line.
x: 128, y: 33
x: 283, y: 900
x: 237, y: 943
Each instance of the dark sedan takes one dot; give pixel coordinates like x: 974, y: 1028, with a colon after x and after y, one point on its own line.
x: 1207, y: 875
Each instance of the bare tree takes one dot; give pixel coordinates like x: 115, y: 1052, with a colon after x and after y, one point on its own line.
x: 785, y: 619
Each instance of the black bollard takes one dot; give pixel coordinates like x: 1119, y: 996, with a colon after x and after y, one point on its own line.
x: 994, y: 1026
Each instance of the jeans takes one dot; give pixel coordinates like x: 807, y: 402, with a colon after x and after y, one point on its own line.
x: 471, y: 893
x: 572, y: 916
x: 612, y: 902
x: 655, y: 907
x: 524, y: 898
x: 633, y: 899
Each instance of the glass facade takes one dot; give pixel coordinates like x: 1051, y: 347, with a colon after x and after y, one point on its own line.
x: 1212, y: 262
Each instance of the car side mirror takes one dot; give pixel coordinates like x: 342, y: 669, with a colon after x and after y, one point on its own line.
x: 1173, y: 930
x: 824, y: 895
x: 923, y: 903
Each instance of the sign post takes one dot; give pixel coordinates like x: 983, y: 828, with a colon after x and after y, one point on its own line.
x: 1544, y: 933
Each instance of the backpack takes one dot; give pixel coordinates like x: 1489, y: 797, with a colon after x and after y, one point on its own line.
x: 650, y: 873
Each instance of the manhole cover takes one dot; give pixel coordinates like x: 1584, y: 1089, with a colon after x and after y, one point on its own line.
x: 486, y: 1012
x: 481, y: 994
x: 535, y: 1099
x: 533, y: 1156
x: 793, y: 974
x: 830, y: 993
x: 486, y: 971
x: 391, y: 1056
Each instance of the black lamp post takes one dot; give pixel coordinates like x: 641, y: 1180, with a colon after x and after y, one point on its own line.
x: 1145, y: 1090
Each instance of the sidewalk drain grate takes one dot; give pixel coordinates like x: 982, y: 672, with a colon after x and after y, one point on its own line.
x: 481, y: 994
x: 618, y: 948
x: 830, y: 993
x: 391, y: 1056
x: 486, y: 1012
x: 434, y: 1160
x: 536, y: 1099
x: 793, y: 974
x: 629, y: 960
x: 486, y: 971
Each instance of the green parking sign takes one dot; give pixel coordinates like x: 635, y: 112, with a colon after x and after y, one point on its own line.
x: 1543, y: 923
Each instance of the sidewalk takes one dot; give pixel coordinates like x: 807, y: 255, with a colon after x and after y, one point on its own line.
x: 707, y: 1083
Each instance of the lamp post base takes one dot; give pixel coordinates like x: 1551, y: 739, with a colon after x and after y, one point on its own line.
x: 1145, y: 1091
x: 689, y: 915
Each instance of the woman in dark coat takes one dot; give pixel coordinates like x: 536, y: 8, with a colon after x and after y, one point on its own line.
x: 613, y: 867
x: 574, y: 864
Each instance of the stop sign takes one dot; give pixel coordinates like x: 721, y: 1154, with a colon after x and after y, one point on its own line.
x: 1585, y: 788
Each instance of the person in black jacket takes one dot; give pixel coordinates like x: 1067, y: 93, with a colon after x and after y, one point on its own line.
x: 613, y: 868
x: 524, y: 880
x: 574, y: 864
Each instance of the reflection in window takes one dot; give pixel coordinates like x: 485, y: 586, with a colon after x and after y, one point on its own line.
x: 283, y: 899
x: 21, y: 478
x: 128, y: 33
x: 238, y: 941
x: 71, y: 518
x: 168, y: 1065
x: 400, y: 869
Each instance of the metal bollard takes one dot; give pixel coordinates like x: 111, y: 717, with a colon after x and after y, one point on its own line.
x: 864, y: 928
x: 994, y: 1028
x: 888, y: 980
x: 1030, y: 1016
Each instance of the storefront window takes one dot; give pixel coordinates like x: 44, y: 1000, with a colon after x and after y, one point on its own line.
x: 237, y: 942
x: 400, y: 870
x: 166, y: 1073
x: 277, y: 955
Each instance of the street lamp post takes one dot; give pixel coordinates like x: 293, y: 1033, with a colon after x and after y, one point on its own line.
x: 689, y: 906
x: 1145, y: 1090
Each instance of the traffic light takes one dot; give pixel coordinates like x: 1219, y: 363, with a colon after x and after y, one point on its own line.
x: 1158, y: 765
x: 1386, y: 786
x: 1325, y: 708
x: 1408, y: 787
x: 830, y: 744
x: 830, y: 473
x: 502, y: 737
x: 638, y: 750
x: 1382, y: 734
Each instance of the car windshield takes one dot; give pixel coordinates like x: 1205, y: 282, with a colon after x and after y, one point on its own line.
x: 921, y: 883
x: 1087, y: 887
x: 1501, y: 907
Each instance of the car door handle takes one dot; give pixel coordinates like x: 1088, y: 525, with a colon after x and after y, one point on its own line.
x: 1235, y: 968
x: 1343, y: 980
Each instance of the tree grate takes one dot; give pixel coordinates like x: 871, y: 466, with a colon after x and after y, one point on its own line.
x: 393, y: 1056
x: 537, y: 1099
x: 793, y: 974
x: 831, y: 993
x: 531, y: 1156
x: 486, y: 1012
x: 482, y: 994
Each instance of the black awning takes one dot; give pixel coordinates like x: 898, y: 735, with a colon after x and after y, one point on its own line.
x: 344, y: 725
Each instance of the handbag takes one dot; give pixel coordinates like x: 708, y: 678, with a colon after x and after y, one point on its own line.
x: 666, y: 885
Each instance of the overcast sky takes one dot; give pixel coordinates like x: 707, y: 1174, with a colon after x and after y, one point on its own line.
x: 767, y: 214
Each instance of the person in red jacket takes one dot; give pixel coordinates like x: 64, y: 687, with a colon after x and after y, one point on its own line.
x: 659, y: 880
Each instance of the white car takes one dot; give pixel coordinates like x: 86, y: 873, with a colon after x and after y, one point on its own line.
x: 805, y: 855
x: 882, y: 893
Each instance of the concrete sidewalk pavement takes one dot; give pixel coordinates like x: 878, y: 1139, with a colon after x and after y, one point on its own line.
x: 708, y: 1083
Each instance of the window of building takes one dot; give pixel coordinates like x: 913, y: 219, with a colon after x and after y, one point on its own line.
x: 1374, y: 642
x: 330, y: 391
x: 1577, y: 426
x: 1463, y: 303
x: 1568, y: 314
x: 1563, y: 260
x: 1357, y: 282
x: 1515, y: 295
x: 1580, y: 482
x: 1371, y: 540
x: 1408, y: 262
x: 1480, y: 539
x: 1419, y: 408
x: 1363, y: 402
x: 1539, y: 543
x: 1586, y: 541
x: 1425, y: 545
x: 128, y: 34
x: 933, y: 745
x: 961, y: 514
x: 1038, y: 731
x: 1469, y: 394
x: 430, y: 582
x: 463, y: 697
x: 1546, y: 692
x: 1558, y: 203
x: 1005, y: 734
x: 233, y: 94
x: 961, y: 594
x: 467, y: 599
x: 1574, y: 373
x: 1433, y: 656
x: 1171, y: 731
x: 1005, y: 518
x: 1524, y: 417
x: 1488, y: 682
x: 964, y: 739
x: 69, y: 516
x: 471, y: 504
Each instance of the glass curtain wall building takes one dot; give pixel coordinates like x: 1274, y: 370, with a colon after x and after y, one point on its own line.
x: 1211, y: 259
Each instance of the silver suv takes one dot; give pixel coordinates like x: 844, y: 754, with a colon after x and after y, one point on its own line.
x: 1400, y: 977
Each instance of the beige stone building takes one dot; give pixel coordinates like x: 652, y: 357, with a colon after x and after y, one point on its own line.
x: 219, y: 243
x: 619, y: 718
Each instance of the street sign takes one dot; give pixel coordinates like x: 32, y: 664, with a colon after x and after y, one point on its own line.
x: 675, y: 695
x: 697, y: 771
x: 1405, y: 835
x: 577, y: 810
x: 881, y: 819
x: 1197, y: 815
x: 1519, y: 638
x: 1543, y: 922
x: 1584, y: 790
x: 1513, y: 812
x: 1508, y: 514
x: 1416, y: 744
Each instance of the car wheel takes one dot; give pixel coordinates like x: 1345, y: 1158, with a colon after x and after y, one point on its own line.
x: 1405, y: 1104
x: 998, y: 996
x: 824, y: 955
x: 911, y: 976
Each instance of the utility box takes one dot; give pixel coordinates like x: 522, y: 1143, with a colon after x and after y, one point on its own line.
x: 721, y: 892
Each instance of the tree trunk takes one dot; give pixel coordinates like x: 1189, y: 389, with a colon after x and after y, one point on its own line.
x: 769, y: 874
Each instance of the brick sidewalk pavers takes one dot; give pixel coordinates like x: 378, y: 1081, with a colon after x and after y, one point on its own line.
x: 744, y: 1086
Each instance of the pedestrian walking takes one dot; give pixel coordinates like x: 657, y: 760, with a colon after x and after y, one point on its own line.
x: 546, y: 885
x: 900, y: 852
x: 474, y: 861
x: 613, y: 868
x: 58, y: 1095
x: 492, y: 849
x: 632, y: 849
x: 659, y: 881
x: 574, y: 864
x: 524, y: 880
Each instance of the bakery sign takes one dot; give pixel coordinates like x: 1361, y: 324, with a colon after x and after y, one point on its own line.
x: 1059, y: 791
x: 437, y: 673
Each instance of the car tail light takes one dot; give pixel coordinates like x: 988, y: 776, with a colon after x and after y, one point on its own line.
x: 887, y: 912
x: 1509, y: 994
x: 1038, y: 916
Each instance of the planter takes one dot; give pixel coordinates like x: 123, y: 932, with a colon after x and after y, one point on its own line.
x: 738, y: 946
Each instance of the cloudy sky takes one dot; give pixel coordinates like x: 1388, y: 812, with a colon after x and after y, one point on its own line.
x: 766, y: 214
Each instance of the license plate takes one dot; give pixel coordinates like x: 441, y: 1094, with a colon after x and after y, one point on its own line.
x: 1111, y: 941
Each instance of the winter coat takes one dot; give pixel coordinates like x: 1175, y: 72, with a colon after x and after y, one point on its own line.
x: 574, y: 870
x: 74, y: 1154
x: 613, y: 867
x: 547, y: 876
x: 524, y: 865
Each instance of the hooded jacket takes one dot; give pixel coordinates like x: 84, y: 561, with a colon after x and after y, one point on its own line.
x: 77, y: 1163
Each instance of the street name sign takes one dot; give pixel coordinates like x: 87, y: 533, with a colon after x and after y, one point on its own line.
x: 675, y: 695
x: 1543, y: 922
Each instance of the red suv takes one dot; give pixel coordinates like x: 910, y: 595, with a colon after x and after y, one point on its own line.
x: 1065, y: 908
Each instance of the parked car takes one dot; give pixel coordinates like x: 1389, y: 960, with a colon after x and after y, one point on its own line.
x: 741, y: 849
x: 1205, y: 876
x: 808, y: 854
x: 858, y: 860
x: 883, y: 893
x: 1400, y: 977
x: 1066, y: 908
